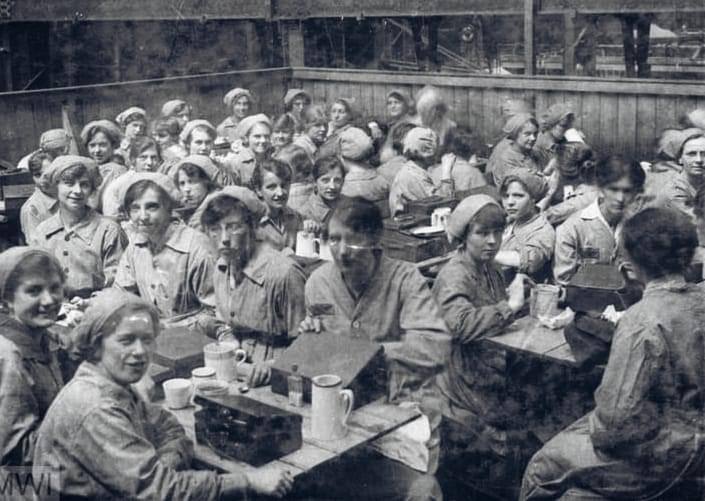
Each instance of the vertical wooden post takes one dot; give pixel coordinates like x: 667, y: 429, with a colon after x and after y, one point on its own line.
x: 529, y: 55
x: 569, y: 43
x: 117, y: 59
x: 295, y: 43
x: 380, y: 41
x: 6, y: 56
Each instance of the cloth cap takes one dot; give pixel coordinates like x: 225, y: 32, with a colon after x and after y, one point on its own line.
x: 534, y: 183
x: 685, y: 136
x: 121, y: 119
x: 354, y: 144
x: 171, y: 108
x: 54, y: 139
x: 555, y: 113
x: 111, y: 130
x: 201, y: 161
x: 235, y: 93
x: 314, y: 115
x: 244, y: 126
x: 101, y: 308
x: 11, y: 259
x: 64, y: 162
x: 245, y: 195
x: 511, y: 107
x: 161, y: 180
x: 418, y: 137
x: 292, y: 94
x: 401, y: 96
x: 349, y: 104
x: 464, y: 213
x: 516, y: 122
x: 697, y: 118
x: 192, y: 124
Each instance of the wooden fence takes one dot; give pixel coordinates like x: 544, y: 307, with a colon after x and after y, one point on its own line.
x: 617, y: 116
x: 27, y: 114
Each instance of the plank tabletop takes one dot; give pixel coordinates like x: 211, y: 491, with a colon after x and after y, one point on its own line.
x: 365, y: 425
x: 527, y: 335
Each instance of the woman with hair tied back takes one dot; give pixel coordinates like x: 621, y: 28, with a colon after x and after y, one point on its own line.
x: 644, y: 439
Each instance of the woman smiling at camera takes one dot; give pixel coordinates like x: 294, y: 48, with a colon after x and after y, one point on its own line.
x: 167, y: 262
x: 102, y: 441
x: 87, y: 245
x: 31, y: 291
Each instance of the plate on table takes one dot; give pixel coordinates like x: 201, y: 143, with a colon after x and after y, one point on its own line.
x: 427, y: 231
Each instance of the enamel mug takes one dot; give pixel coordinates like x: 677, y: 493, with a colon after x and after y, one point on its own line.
x: 330, y: 407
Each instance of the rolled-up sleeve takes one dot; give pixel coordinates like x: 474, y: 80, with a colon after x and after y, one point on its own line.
x: 537, y: 250
x: 624, y: 415
x: 291, y: 303
x: 108, y: 446
x: 466, y: 321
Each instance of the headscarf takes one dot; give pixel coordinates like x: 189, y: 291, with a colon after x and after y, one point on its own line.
x: 354, y: 144
x: 54, y: 139
x: 12, y: 258
x: 64, y: 162
x: 292, y: 94
x: 161, y: 180
x: 515, y: 123
x: 202, y: 162
x: 235, y: 93
x: 417, y: 136
x: 314, y: 115
x: 554, y: 114
x: 349, y: 103
x: 191, y: 125
x: 244, y: 126
x: 171, y: 108
x: 697, y: 118
x: 403, y: 97
x: 109, y: 128
x: 102, y: 307
x: 534, y: 183
x: 121, y: 119
x: 245, y: 195
x: 464, y: 213
x: 511, y: 107
x: 685, y: 136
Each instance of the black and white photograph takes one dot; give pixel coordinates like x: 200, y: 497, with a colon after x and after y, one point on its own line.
x: 352, y: 250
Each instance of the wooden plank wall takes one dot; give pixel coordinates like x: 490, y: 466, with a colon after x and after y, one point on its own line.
x: 26, y: 115
x: 619, y: 116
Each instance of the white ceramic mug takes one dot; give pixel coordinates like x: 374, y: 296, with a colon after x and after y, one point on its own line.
x: 225, y: 358
x: 330, y: 407
x: 439, y: 217
x: 177, y: 393
x: 309, y: 245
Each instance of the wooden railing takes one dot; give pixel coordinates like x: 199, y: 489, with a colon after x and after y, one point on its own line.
x: 27, y: 114
x: 620, y: 116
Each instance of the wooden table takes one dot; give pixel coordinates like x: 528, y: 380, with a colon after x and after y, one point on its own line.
x: 527, y: 335
x: 365, y: 425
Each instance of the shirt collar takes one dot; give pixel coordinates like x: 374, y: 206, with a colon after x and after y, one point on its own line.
x: 89, y: 370
x: 178, y: 239
x: 44, y: 199
x: 666, y: 282
x: 593, y: 211
x: 287, y: 213
x: 256, y: 267
x: 54, y: 224
x: 31, y: 344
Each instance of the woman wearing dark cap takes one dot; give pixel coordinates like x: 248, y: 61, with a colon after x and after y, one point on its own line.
x: 645, y: 434
x: 529, y: 239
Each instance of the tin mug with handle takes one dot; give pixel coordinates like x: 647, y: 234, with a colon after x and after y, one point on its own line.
x: 545, y: 299
x: 330, y: 407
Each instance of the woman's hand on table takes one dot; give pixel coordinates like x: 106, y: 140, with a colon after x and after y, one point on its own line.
x: 270, y: 482
x: 310, y: 324
x: 259, y: 375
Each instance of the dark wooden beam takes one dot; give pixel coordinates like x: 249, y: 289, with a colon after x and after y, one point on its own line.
x: 6, y: 56
x: 569, y: 43
x: 529, y: 23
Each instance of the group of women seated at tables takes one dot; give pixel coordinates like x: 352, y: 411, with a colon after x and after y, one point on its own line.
x: 175, y: 222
